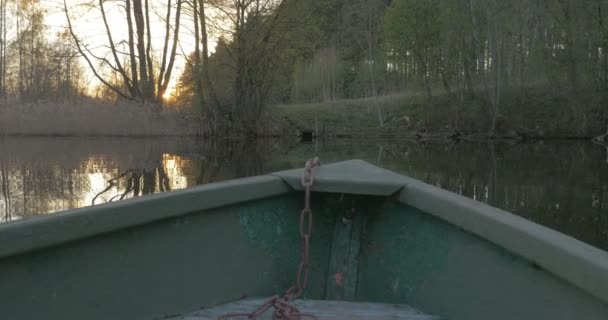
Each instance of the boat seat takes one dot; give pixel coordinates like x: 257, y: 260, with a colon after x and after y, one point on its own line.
x: 323, y: 310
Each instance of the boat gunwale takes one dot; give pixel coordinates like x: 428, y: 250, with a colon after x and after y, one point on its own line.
x: 572, y: 260
x: 27, y: 235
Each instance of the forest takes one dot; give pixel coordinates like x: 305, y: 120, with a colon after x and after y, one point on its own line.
x: 491, y: 68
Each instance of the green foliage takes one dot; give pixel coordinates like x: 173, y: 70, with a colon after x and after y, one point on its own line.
x: 412, y: 25
x: 539, y: 114
x: 254, y: 65
x: 483, y: 53
x: 350, y: 53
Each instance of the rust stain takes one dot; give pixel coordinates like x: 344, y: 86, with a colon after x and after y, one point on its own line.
x: 338, y: 278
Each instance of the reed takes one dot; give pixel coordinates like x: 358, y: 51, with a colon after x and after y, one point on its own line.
x: 92, y: 118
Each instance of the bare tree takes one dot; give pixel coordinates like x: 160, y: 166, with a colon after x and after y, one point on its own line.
x: 142, y: 83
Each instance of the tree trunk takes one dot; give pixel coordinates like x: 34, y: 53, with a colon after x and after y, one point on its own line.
x: 197, y: 58
x: 495, y: 66
x: 163, y: 81
x: 205, y: 62
x: 423, y: 63
x: 467, y: 64
x: 149, y: 44
x: 147, y: 88
x: 132, y: 54
x: 370, y: 58
x: 213, y: 104
x: 163, y: 64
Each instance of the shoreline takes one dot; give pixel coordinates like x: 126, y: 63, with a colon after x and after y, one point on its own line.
x: 408, y: 136
x: 537, y: 115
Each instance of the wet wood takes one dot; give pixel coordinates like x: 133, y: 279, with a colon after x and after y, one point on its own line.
x: 323, y: 310
x: 344, y: 261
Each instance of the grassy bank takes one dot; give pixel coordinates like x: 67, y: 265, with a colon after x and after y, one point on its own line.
x: 524, y: 113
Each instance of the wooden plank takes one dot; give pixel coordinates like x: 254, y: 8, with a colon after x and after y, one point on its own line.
x: 323, y: 310
x: 344, y: 260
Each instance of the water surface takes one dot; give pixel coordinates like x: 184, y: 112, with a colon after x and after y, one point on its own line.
x: 560, y: 184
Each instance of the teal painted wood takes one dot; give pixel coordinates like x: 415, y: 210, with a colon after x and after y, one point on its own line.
x: 352, y: 215
x: 26, y: 235
x: 169, y: 266
x: 352, y: 177
x: 323, y: 310
x: 414, y: 258
x: 571, y: 260
x: 343, y: 269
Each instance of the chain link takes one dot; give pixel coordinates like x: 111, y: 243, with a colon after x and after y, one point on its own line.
x: 283, y: 309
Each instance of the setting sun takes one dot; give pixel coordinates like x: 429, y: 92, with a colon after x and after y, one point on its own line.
x: 168, y: 95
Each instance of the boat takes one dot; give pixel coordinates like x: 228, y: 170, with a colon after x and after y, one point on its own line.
x: 383, y: 246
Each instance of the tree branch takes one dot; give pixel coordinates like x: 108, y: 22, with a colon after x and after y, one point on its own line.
x: 97, y: 75
x: 119, y: 67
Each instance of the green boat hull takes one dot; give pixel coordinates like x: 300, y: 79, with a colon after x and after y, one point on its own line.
x: 168, y: 254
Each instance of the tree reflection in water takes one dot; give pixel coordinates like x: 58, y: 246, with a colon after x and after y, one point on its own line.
x: 138, y: 182
x: 6, y: 199
x: 226, y: 160
x: 562, y: 185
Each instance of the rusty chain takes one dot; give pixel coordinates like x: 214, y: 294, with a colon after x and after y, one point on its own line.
x: 283, y: 309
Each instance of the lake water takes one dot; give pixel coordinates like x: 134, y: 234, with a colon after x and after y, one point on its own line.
x: 560, y: 184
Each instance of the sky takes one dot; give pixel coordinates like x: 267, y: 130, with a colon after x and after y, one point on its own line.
x: 89, y: 27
